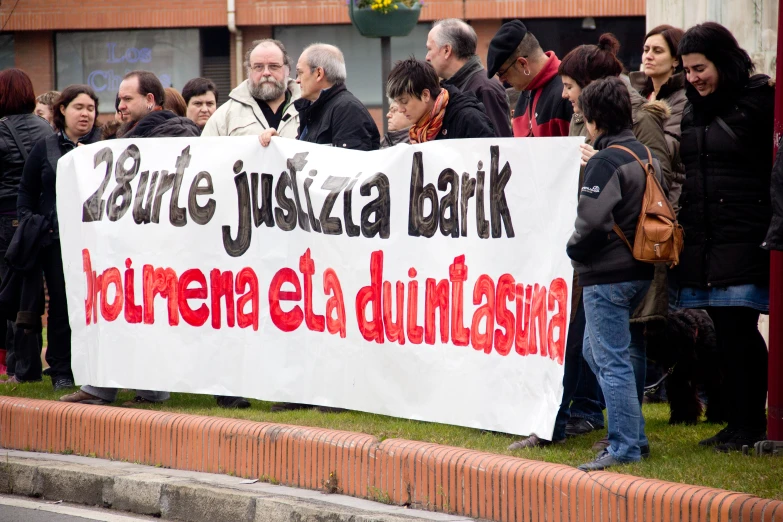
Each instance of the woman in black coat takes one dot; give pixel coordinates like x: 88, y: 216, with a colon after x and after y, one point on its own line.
x: 20, y: 129
x: 727, y: 151
x: 74, y: 118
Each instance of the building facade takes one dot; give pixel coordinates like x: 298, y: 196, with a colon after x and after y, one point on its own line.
x: 60, y: 42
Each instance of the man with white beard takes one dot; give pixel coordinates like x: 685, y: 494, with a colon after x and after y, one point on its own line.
x: 264, y: 101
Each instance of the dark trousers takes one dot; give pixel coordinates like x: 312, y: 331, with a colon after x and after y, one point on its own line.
x: 58, y: 352
x: 743, y: 354
x: 23, y: 346
x: 582, y: 397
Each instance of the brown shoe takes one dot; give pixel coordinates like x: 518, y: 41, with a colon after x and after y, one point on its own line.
x: 137, y: 401
x: 82, y: 397
x: 534, y: 441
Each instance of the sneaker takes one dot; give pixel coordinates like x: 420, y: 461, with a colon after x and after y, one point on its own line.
x: 62, y: 383
x: 289, y: 406
x: 578, y: 426
x: 602, y: 461
x: 137, y: 401
x: 740, y: 438
x: 719, y: 438
x: 233, y: 403
x: 82, y: 397
x: 603, y: 444
x: 533, y: 441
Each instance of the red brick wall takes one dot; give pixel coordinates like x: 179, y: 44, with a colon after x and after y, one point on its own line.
x: 115, y: 14
x: 485, y: 29
x: 34, y: 53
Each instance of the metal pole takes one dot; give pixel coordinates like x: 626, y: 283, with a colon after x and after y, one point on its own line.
x: 775, y: 386
x: 385, y: 70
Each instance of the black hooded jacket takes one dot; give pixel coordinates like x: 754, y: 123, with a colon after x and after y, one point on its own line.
x: 30, y: 129
x: 339, y: 119
x: 726, y: 211
x: 465, y: 117
x: 37, y: 191
x: 163, y: 124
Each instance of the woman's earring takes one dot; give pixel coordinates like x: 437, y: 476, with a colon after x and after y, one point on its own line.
x: 527, y: 73
x: 150, y: 107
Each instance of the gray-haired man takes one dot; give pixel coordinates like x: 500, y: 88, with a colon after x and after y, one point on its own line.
x: 451, y: 49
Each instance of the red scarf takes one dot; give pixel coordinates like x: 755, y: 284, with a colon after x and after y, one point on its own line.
x: 429, y: 125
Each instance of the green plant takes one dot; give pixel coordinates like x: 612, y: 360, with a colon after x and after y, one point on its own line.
x: 379, y: 495
x: 385, y: 6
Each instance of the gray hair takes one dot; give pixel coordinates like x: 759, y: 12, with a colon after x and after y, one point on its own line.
x: 267, y: 42
x: 329, y: 58
x: 459, y: 35
x: 529, y: 47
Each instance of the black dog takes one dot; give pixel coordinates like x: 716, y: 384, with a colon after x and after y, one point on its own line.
x: 687, y: 348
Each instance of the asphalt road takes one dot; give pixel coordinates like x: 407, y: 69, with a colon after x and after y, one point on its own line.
x: 23, y: 509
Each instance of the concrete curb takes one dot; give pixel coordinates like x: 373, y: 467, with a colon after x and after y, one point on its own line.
x: 400, y: 472
x: 189, y: 496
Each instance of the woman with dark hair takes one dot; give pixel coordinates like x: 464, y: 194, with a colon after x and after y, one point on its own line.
x: 614, y: 283
x: 20, y: 129
x: 588, y: 63
x: 727, y: 139
x: 74, y: 118
x: 662, y: 79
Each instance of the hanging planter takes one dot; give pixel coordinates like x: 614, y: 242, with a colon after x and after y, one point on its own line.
x: 384, y: 18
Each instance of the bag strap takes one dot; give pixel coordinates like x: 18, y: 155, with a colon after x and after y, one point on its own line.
x: 632, y: 153
x: 616, y: 228
x: 723, y: 125
x: 619, y: 232
x: 17, y: 140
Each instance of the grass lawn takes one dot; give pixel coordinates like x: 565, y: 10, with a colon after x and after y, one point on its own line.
x: 675, y: 454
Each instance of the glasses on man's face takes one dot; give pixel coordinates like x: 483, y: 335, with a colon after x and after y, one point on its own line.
x: 260, y: 67
x: 504, y: 71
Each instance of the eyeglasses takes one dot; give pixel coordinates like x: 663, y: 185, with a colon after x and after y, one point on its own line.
x: 502, y: 73
x: 259, y: 67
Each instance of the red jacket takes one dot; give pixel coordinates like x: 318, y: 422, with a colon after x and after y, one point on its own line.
x: 549, y: 114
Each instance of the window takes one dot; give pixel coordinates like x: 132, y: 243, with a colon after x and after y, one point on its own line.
x: 362, y: 55
x: 100, y: 59
x: 6, y: 51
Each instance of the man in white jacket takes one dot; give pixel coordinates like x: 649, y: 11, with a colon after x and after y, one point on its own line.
x: 264, y: 101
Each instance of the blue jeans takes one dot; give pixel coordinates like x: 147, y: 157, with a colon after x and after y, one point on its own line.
x: 616, y: 360
x: 581, y: 393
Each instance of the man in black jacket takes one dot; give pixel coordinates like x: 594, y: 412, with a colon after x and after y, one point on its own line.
x: 451, y: 49
x: 141, y: 98
x: 328, y: 113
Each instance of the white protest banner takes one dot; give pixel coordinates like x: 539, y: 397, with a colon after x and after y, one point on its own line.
x: 426, y: 282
